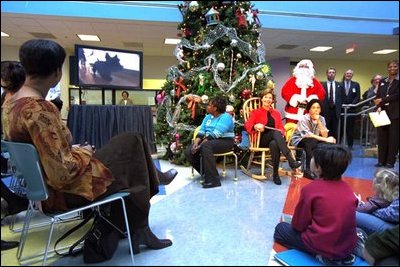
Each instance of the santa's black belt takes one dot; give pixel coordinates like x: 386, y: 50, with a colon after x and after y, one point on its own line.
x: 302, y: 105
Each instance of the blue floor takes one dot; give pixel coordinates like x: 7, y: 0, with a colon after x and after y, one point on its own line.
x: 229, y: 225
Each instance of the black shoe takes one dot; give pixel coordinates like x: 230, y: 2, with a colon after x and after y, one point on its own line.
x: 308, y: 174
x: 294, y: 164
x: 5, y: 245
x: 167, y: 177
x: 390, y: 166
x: 379, y: 165
x: 211, y: 184
x: 277, y: 180
x: 144, y: 236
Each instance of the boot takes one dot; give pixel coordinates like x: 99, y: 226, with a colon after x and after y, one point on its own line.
x: 144, y: 236
x: 292, y: 162
x: 277, y: 179
x: 166, y: 178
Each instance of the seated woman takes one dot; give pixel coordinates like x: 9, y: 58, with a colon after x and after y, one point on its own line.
x: 266, y: 115
x: 381, y: 211
x: 310, y: 131
x: 215, y: 136
x: 75, y: 175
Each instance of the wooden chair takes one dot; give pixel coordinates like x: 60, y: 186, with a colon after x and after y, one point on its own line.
x: 290, y: 127
x: 229, y: 153
x: 262, y: 155
x: 258, y: 155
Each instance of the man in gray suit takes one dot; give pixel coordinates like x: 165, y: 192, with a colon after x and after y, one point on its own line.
x: 332, y: 104
x: 352, y: 95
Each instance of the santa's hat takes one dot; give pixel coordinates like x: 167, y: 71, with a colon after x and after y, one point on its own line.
x: 305, y: 62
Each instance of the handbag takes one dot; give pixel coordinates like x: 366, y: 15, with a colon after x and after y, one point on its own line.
x: 99, y: 243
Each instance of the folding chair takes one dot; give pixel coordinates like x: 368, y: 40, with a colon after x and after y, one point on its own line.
x: 229, y: 153
x: 27, y: 162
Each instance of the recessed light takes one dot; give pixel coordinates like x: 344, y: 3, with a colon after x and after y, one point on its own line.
x: 384, y: 51
x: 172, y: 41
x: 321, y: 48
x: 3, y: 34
x: 86, y: 37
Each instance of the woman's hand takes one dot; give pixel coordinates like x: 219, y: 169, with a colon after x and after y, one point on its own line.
x: 331, y: 139
x: 259, y: 127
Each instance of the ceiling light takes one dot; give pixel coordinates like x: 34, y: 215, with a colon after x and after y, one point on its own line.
x: 384, y: 51
x: 3, y: 34
x: 85, y: 37
x: 350, y: 50
x: 172, y: 41
x: 321, y: 48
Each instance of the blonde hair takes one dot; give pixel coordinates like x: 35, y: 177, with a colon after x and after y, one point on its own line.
x: 386, y: 184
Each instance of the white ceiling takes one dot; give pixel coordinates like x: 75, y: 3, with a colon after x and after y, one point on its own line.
x: 150, y: 37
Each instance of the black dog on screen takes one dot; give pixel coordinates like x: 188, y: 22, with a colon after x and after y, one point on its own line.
x: 105, y: 68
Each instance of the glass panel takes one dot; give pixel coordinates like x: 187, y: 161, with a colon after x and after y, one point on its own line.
x: 92, y: 97
x: 73, y: 96
x: 108, y: 97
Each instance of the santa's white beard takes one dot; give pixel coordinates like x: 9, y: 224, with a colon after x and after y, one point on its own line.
x: 304, y: 77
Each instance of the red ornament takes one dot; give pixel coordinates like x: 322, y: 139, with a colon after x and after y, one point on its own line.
x: 246, y: 93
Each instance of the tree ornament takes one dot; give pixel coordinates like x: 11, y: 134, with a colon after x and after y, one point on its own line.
x: 175, y: 148
x: 193, y: 6
x: 234, y: 42
x: 246, y: 93
x: 241, y: 18
x: 212, y: 17
x: 238, y: 56
x: 160, y: 97
x: 204, y: 99
x: 172, y: 92
x: 252, y: 80
x: 259, y: 75
x: 232, y: 98
x: 271, y: 85
x: 220, y: 66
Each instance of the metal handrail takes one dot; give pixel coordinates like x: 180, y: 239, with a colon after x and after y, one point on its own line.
x: 345, y: 114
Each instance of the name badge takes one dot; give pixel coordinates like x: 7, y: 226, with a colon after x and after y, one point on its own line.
x: 354, y: 90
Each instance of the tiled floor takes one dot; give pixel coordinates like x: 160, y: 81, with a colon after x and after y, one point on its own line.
x: 229, y: 225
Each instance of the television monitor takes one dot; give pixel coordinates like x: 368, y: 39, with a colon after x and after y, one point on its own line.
x: 102, y: 67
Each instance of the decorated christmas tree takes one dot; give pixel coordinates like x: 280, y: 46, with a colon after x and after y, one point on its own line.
x: 220, y: 53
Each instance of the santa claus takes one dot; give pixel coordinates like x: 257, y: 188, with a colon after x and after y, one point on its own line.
x: 300, y: 89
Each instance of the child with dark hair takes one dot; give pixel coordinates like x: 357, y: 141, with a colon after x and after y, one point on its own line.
x: 324, y: 222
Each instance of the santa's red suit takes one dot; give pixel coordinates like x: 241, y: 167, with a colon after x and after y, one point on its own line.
x: 294, y: 95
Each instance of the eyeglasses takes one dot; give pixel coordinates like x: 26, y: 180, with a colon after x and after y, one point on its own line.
x: 303, y: 66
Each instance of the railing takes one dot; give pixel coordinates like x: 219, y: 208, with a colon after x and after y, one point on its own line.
x: 345, y: 114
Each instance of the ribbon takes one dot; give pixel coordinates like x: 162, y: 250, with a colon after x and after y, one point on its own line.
x: 193, y: 100
x: 179, y: 86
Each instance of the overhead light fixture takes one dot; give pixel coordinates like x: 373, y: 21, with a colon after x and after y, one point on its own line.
x: 3, y: 34
x: 321, y: 48
x: 172, y: 41
x: 86, y: 37
x: 384, y: 51
x: 350, y: 50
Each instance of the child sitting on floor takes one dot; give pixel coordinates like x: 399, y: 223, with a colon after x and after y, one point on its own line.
x: 324, y: 222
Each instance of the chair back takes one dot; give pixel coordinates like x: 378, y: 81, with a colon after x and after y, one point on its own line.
x: 27, y: 162
x: 248, y: 106
x: 196, y: 131
x: 290, y: 127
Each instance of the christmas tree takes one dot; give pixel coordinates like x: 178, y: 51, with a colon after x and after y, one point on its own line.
x: 220, y: 53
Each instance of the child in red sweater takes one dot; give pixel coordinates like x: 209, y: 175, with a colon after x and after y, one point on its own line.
x: 324, y: 221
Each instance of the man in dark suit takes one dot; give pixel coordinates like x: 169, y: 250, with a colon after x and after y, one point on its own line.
x: 332, y: 104
x: 351, y: 95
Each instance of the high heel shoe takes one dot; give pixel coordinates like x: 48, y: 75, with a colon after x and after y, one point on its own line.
x: 144, y: 236
x: 277, y: 179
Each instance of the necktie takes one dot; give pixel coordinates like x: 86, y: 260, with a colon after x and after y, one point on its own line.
x: 331, y: 103
x: 347, y: 87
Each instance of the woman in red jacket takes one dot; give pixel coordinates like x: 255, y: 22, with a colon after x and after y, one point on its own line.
x: 263, y: 120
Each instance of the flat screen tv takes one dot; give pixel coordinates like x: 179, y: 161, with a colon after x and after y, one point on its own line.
x: 102, y: 67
